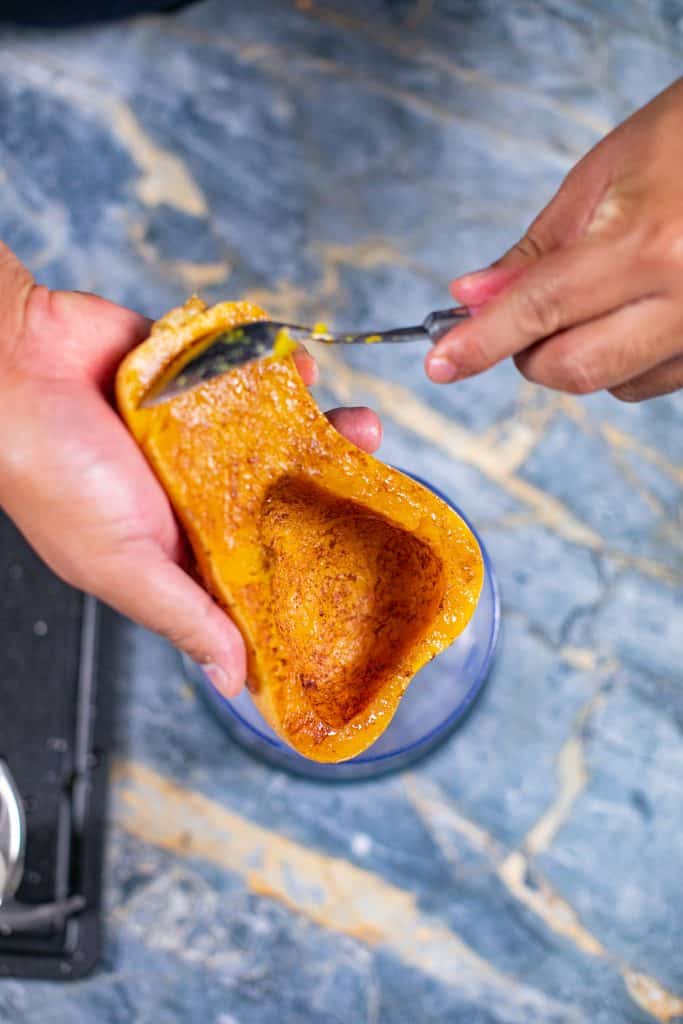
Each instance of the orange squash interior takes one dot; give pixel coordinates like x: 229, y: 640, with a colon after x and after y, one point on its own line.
x: 344, y: 576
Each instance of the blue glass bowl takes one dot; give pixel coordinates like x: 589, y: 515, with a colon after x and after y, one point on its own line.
x: 435, y: 702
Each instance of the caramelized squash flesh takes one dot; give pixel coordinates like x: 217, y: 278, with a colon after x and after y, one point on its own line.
x: 343, y: 575
x: 351, y: 595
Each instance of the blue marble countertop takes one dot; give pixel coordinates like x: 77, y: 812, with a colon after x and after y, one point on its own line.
x: 343, y: 159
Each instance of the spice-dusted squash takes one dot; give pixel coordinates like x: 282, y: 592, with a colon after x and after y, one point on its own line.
x: 344, y: 576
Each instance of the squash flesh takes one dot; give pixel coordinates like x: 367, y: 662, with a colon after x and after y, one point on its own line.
x: 346, y: 626
x: 343, y: 575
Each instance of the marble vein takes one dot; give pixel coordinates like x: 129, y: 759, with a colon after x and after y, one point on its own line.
x: 292, y: 66
x: 331, y: 892
x: 517, y: 872
x: 395, y: 42
x: 163, y: 176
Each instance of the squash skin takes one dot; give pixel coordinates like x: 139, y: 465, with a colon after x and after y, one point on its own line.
x: 344, y: 576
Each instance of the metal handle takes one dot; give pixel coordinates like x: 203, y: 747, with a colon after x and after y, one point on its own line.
x: 12, y: 835
x: 441, y: 321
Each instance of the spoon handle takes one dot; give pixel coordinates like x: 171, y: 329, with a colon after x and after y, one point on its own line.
x: 441, y: 321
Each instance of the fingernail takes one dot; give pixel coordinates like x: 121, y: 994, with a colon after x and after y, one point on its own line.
x: 441, y: 370
x: 225, y: 683
x: 475, y: 275
x: 314, y: 371
x: 306, y: 365
x: 482, y: 285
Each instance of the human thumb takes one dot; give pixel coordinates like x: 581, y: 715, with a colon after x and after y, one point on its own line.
x: 16, y: 283
x: 158, y: 594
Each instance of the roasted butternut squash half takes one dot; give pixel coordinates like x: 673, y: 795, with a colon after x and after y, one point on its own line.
x: 344, y: 576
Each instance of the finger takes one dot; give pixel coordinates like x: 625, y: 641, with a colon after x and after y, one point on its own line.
x: 306, y: 365
x: 562, y: 222
x: 94, y: 334
x: 662, y: 380
x: 480, y: 287
x: 154, y: 591
x: 361, y: 426
x: 16, y: 286
x: 606, y: 352
x: 566, y: 288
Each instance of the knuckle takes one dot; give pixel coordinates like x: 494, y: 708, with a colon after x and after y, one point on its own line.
x: 575, y: 375
x: 467, y: 354
x: 38, y: 305
x: 189, y: 636
x: 628, y: 392
x: 527, y: 366
x: 611, y: 217
x: 472, y: 357
x: 661, y: 246
x: 538, y: 313
x: 675, y: 247
x: 99, y: 577
x: 529, y: 247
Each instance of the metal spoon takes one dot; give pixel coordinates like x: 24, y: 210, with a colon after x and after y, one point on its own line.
x: 232, y: 348
x: 18, y: 917
x: 12, y: 835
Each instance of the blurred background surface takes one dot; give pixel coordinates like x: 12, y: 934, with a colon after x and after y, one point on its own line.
x: 342, y: 161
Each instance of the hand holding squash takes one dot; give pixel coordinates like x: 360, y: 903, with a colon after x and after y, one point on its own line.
x: 344, y: 576
x: 77, y: 485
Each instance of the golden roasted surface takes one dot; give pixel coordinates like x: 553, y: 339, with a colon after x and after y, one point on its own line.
x: 343, y: 575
